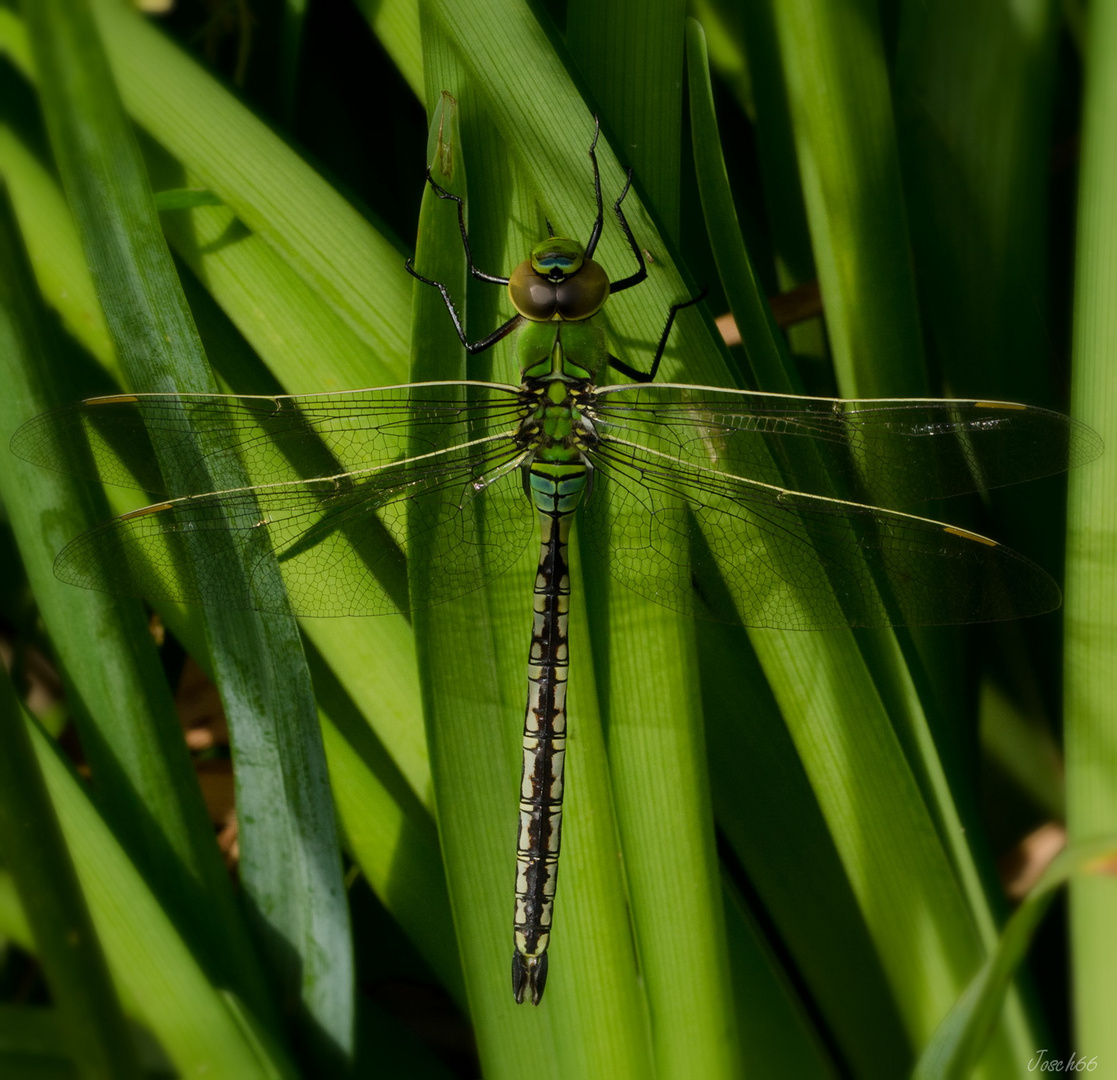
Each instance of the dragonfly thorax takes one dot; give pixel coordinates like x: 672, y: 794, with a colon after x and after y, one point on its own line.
x: 554, y: 425
x: 568, y: 352
x: 558, y: 283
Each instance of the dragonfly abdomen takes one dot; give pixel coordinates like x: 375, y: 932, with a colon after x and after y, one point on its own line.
x: 556, y: 489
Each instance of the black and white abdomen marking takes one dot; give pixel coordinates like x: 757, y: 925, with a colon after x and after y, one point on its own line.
x: 556, y: 490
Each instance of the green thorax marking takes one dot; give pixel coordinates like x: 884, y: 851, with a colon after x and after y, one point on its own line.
x: 554, y: 396
x: 569, y: 351
x: 555, y: 392
x: 559, y: 349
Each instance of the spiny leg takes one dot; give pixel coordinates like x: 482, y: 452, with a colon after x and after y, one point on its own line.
x: 442, y: 193
x: 642, y: 273
x: 648, y: 376
x: 501, y: 331
x: 634, y: 279
x: 599, y: 219
x: 471, y: 347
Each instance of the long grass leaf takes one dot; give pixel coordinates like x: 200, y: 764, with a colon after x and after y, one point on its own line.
x: 647, y: 654
x: 956, y: 1047
x: 64, y: 935
x: 282, y: 838
x: 123, y: 711
x: 1091, y: 637
x: 158, y: 979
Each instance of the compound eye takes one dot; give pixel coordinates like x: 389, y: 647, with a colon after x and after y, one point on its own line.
x: 582, y: 295
x: 532, y: 296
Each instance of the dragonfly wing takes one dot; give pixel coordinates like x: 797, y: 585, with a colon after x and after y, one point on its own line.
x: 709, y: 543
x: 888, y: 452
x: 340, y: 541
x: 274, y: 439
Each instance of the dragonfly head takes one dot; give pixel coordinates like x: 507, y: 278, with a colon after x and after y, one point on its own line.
x: 558, y: 283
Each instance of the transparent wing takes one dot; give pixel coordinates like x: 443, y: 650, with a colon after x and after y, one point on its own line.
x: 339, y: 486
x: 891, y: 452
x: 340, y: 542
x: 275, y: 439
x: 791, y: 560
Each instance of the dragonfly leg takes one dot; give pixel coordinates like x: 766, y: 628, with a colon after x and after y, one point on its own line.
x: 648, y: 376
x: 599, y: 219
x: 442, y: 193
x: 642, y: 271
x: 471, y: 347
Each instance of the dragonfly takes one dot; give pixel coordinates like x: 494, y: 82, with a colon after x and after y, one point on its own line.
x: 786, y: 501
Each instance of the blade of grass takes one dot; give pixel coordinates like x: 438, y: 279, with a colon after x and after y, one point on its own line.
x: 390, y: 837
x: 286, y: 817
x: 877, y: 662
x: 769, y: 817
x: 34, y: 1046
x: 768, y: 357
x: 54, y: 250
x: 122, y: 708
x: 287, y: 203
x: 956, y: 1047
x: 650, y: 688
x: 309, y: 348
x: 158, y: 979
x: 454, y: 642
x: 833, y: 62
x: 778, y: 1036
x: 395, y: 847
x: 65, y: 940
x: 743, y: 50
x: 1089, y: 660
x: 631, y: 55
x: 976, y: 168
x: 592, y: 1014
